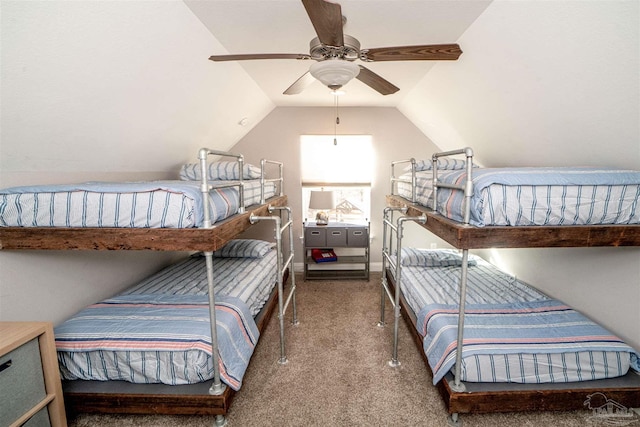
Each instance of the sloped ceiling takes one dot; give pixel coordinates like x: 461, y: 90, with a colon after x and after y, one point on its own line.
x: 259, y: 26
x: 123, y: 85
x: 543, y: 83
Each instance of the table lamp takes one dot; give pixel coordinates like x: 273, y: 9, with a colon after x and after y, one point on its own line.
x: 322, y: 201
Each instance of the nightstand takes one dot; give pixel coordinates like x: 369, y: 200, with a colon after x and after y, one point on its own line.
x: 351, y: 243
x: 30, y: 388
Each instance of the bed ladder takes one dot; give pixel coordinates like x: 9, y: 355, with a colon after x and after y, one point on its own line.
x: 283, y: 303
x: 391, y: 257
x: 217, y: 387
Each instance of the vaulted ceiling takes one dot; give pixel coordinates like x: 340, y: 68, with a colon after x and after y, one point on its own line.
x: 259, y: 26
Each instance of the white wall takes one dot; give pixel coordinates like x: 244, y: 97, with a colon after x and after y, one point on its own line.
x: 540, y: 82
x: 547, y: 83
x: 603, y: 283
x: 105, y: 90
x: 394, y: 137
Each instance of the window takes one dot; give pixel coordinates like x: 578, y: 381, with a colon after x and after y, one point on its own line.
x: 344, y: 167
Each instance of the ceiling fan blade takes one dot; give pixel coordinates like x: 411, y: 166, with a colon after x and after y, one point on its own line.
x: 376, y: 82
x: 326, y: 18
x: 247, y: 56
x: 429, y: 52
x: 299, y: 85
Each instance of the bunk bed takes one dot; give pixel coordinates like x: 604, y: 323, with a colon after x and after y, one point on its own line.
x: 443, y: 202
x: 213, y: 203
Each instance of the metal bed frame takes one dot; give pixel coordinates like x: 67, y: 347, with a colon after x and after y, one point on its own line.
x: 217, y: 387
x: 464, y: 237
x: 208, y: 238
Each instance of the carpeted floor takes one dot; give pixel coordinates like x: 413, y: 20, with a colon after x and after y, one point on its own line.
x: 337, y: 374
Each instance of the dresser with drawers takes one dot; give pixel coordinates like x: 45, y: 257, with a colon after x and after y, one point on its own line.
x: 30, y: 387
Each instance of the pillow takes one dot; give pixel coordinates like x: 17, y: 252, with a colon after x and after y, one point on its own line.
x: 443, y: 164
x: 219, y: 171
x: 244, y: 248
x: 415, y: 257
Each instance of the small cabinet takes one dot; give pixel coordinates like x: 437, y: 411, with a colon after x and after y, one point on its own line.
x: 349, y: 241
x: 30, y: 388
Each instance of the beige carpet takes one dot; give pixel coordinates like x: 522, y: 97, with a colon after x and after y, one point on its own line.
x: 337, y: 374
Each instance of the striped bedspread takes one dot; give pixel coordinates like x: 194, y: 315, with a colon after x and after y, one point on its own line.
x: 153, y: 204
x: 486, y: 284
x: 535, y: 328
x: 424, y: 188
x: 538, y: 196
x: 249, y: 279
x: 135, y: 337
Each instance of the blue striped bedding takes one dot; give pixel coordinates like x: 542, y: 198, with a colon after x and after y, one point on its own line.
x: 538, y: 196
x: 540, y: 329
x: 249, y: 279
x: 488, y: 287
x: 153, y: 204
x: 246, y: 282
x: 158, y: 332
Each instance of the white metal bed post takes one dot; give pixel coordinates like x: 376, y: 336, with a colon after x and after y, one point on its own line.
x: 202, y: 155
x: 457, y: 385
x: 241, y: 189
x: 280, y: 178
x: 282, y: 266
x: 217, y: 388
x: 395, y: 179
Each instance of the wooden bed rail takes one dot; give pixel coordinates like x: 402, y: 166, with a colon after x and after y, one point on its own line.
x: 533, y: 236
x: 118, y: 239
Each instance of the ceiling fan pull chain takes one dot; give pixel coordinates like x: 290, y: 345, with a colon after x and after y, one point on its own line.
x: 335, y: 126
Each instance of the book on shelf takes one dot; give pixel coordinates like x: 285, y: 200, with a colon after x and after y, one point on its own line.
x: 323, y: 255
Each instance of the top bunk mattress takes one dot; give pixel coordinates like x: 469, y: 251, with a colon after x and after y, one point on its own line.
x: 153, y: 204
x: 534, y: 196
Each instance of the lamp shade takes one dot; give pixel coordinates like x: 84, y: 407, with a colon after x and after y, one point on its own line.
x: 321, y: 200
x: 334, y: 73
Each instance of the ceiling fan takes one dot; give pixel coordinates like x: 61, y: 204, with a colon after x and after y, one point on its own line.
x: 335, y: 52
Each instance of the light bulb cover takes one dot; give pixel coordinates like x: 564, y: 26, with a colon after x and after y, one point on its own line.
x: 334, y: 73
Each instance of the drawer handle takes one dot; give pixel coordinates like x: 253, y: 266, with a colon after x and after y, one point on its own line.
x: 6, y: 365
x: 315, y: 233
x: 357, y: 233
x: 336, y: 233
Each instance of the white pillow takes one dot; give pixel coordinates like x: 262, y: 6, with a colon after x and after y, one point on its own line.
x: 219, y: 171
x: 415, y: 257
x: 244, y: 248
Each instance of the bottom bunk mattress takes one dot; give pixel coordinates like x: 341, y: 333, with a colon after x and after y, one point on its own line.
x: 512, y: 332
x: 158, y: 331
x: 244, y: 269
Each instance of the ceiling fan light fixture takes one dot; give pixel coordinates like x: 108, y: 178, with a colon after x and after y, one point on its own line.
x: 334, y: 73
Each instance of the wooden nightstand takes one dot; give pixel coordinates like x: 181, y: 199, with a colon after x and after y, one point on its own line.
x: 337, y: 235
x: 30, y: 388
